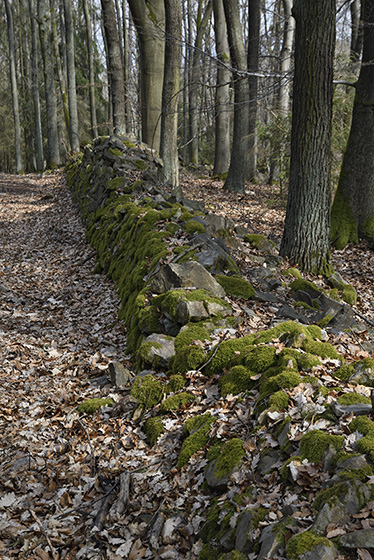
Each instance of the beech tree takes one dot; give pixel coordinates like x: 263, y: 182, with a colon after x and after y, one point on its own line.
x: 353, y: 208
x: 72, y: 90
x: 306, y: 232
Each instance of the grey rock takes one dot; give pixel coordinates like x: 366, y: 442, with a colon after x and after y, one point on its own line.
x: 320, y: 552
x: 263, y: 273
x: 265, y: 297
x: 290, y: 313
x: 159, y: 356
x: 272, y: 539
x: 283, y: 435
x: 187, y: 311
x: 218, y: 309
x: 212, y: 479
x: 246, y: 531
x: 190, y: 274
x: 332, y: 512
x: 357, y: 462
x: 119, y: 375
x: 359, y: 409
x: 363, y: 538
x: 352, y: 494
x: 363, y: 375
x: 335, y: 280
x: 269, y: 461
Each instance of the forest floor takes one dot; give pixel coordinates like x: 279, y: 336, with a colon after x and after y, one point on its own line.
x: 59, y: 331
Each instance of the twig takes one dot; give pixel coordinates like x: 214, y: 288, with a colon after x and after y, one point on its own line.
x: 93, y: 458
x: 363, y: 317
x: 86, y: 505
x: 214, y: 353
x: 103, y: 512
x: 42, y: 530
x: 181, y: 255
x: 89, y: 256
x: 120, y: 504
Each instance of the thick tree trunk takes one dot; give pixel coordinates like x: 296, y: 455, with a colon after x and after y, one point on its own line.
x: 170, y: 94
x: 222, y: 116
x: 285, y: 58
x: 13, y: 82
x: 306, y: 233
x: 53, y: 151
x: 253, y: 63
x: 72, y: 90
x: 149, y: 20
x: 239, y: 151
x: 353, y: 209
x: 91, y: 71
x: 35, y: 90
x: 117, y: 80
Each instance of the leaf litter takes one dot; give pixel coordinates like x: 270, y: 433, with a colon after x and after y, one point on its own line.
x: 90, y: 487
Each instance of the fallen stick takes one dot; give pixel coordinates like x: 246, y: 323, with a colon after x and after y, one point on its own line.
x: 44, y: 533
x: 121, y: 502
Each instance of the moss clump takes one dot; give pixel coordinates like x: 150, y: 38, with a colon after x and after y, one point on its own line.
x: 233, y: 555
x: 187, y: 359
x: 153, y: 428
x: 343, y: 223
x: 147, y: 390
x: 287, y: 331
x: 344, y: 372
x: 230, y: 456
x: 175, y: 384
x: 191, y: 333
x: 236, y: 381
x: 115, y: 152
x: 254, y: 239
x: 279, y: 401
x: 177, y: 402
x: 303, y: 304
x: 303, y: 542
x: 129, y: 144
x: 357, y: 474
x: 260, y: 359
x: 192, y: 226
x: 338, y: 491
x: 293, y: 272
x: 285, y: 380
x: 353, y: 398
x: 367, y: 229
x: 141, y: 165
x: 236, y: 286
x: 349, y: 294
x: 115, y: 183
x: 323, y: 349
x: 93, y: 405
x: 303, y: 360
x: 366, y: 364
x: 143, y: 354
x: 221, y: 358
x: 197, y: 429
x: 305, y: 286
x: 314, y: 444
x: 325, y: 321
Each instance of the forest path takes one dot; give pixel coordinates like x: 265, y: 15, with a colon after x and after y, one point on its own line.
x: 58, y: 327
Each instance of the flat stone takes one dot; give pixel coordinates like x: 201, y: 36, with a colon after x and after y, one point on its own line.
x: 160, y: 356
x: 218, y: 309
x: 119, y: 375
x: 320, y: 552
x: 289, y: 312
x: 332, y: 512
x: 187, y: 311
x: 190, y: 274
x: 212, y: 479
x: 269, y: 461
x: 359, y: 409
x: 363, y: 538
x: 362, y: 376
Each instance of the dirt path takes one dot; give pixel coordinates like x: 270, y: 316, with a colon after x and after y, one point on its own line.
x: 58, y: 328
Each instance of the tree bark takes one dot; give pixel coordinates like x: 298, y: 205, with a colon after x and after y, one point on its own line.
x: 149, y: 21
x: 356, y: 30
x: 353, y: 208
x: 285, y: 58
x: 13, y: 82
x: 91, y: 71
x: 72, y: 89
x: 53, y: 147
x: 253, y: 63
x: 239, y: 151
x: 35, y: 90
x: 170, y: 94
x: 306, y: 233
x: 222, y: 108
x: 117, y: 80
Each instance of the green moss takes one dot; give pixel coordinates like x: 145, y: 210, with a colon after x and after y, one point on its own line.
x: 93, y: 405
x: 254, y: 239
x: 260, y: 358
x: 233, y: 555
x: 237, y: 380
x: 303, y: 304
x: 323, y: 349
x: 210, y: 528
x: 314, y: 444
x: 115, y: 152
x: 208, y: 553
x: 129, y: 144
x: 367, y: 229
x: 344, y: 227
x: 197, y: 428
x: 287, y: 331
x: 353, y: 398
x: 303, y: 542
x: 141, y: 165
x: 325, y: 321
x: 149, y: 320
x: 366, y: 364
x: 338, y: 491
x: 361, y: 474
x: 222, y: 357
x: 188, y: 358
x: 236, y: 286
x: 279, y: 400
x: 344, y: 372
x: 349, y: 294
x: 177, y: 402
x: 192, y: 226
x: 175, y: 384
x: 304, y: 286
x: 230, y: 456
x: 153, y: 428
x: 285, y: 380
x: 143, y: 358
x: 147, y: 390
x: 293, y: 272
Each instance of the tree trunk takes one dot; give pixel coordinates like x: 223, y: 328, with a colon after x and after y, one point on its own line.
x: 117, y: 80
x: 353, y: 209
x: 53, y: 151
x: 253, y: 62
x: 222, y: 116
x: 285, y: 58
x: 239, y: 151
x: 306, y: 233
x: 126, y: 58
x: 91, y: 71
x: 72, y: 89
x: 149, y: 21
x: 13, y: 82
x: 170, y: 94
x: 194, y: 84
x: 35, y: 90
x: 356, y: 32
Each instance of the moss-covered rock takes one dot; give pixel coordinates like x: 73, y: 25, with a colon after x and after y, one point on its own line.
x: 192, y: 226
x: 175, y: 384
x: 344, y: 372
x: 197, y: 430
x: 365, y: 426
x: 93, y: 405
x: 304, y: 542
x: 237, y: 380
x: 285, y: 380
x: 292, y: 271
x: 177, y: 402
x: 236, y: 286
x: 305, y: 286
x: 323, y: 349
x: 254, y: 239
x: 153, y: 428
x: 147, y: 390
x: 230, y: 456
x: 353, y: 398
x: 279, y: 401
x: 315, y: 443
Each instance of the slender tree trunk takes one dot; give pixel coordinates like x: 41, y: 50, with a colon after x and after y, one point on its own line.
x: 35, y: 89
x: 13, y: 81
x: 222, y: 109
x: 149, y: 21
x: 253, y: 63
x: 170, y: 93
x: 353, y: 208
x: 53, y: 152
x: 357, y: 32
x: 194, y: 84
x: 126, y: 59
x: 117, y: 80
x: 285, y: 58
x: 306, y: 233
x: 91, y: 71
x: 72, y: 90
x: 239, y: 151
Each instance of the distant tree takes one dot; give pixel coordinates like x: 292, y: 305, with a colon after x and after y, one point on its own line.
x: 72, y: 89
x: 91, y: 69
x: 353, y: 208
x: 35, y: 88
x: 305, y: 238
